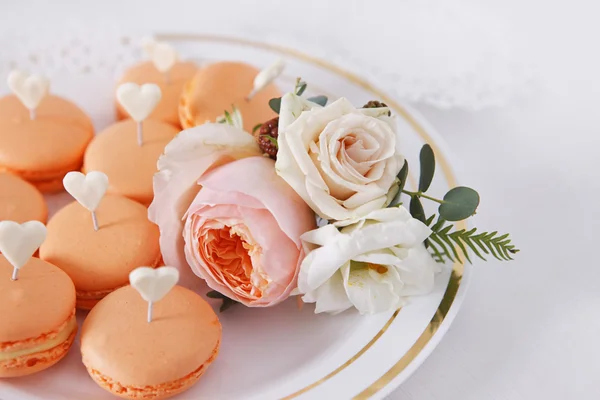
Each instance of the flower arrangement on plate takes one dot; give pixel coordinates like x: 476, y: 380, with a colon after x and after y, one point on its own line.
x: 312, y: 203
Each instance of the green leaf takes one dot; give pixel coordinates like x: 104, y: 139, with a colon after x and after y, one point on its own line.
x: 427, y: 159
x: 416, y: 209
x: 227, y: 302
x: 430, y: 220
x: 256, y: 127
x: 300, y: 88
x: 459, y: 203
x: 320, y: 100
x: 402, y: 175
x: 444, y: 244
x: 228, y: 118
x: 275, y: 104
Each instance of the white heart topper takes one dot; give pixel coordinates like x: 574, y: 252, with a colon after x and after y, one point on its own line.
x: 162, y: 54
x: 138, y: 101
x: 30, y: 89
x: 266, y: 76
x: 88, y: 189
x: 153, y: 283
x: 18, y: 242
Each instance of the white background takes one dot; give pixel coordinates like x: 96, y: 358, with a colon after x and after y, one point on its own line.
x: 528, y: 329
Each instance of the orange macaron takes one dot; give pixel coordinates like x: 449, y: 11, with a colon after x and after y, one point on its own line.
x: 20, y: 201
x: 171, y: 85
x: 136, y: 359
x: 100, y: 261
x: 129, y: 166
x: 43, y: 150
x: 219, y: 86
x: 37, y: 317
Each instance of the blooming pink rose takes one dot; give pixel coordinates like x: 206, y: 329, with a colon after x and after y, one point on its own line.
x: 237, y: 224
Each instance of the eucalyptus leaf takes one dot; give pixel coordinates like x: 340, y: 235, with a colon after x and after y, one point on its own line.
x: 275, y: 104
x: 427, y: 160
x: 402, y: 175
x: 416, y: 209
x: 320, y: 100
x: 300, y: 88
x: 459, y: 203
x: 227, y: 303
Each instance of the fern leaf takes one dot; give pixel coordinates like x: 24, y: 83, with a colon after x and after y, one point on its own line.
x: 437, y: 256
x: 445, y: 243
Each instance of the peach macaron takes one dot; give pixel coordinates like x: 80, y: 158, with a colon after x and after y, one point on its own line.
x: 43, y: 150
x: 136, y: 359
x: 37, y: 317
x: 20, y: 201
x: 171, y: 85
x: 129, y: 166
x: 219, y: 86
x: 100, y: 261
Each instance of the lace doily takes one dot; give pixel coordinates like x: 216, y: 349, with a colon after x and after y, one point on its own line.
x: 445, y: 54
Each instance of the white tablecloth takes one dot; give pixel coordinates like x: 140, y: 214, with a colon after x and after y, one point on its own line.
x: 528, y: 329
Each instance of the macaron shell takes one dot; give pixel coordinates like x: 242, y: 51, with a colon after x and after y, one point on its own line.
x: 119, y: 344
x: 47, y: 147
x: 38, y: 302
x: 101, y: 260
x: 20, y: 201
x: 156, y: 392
x: 178, y: 76
x: 218, y: 86
x: 129, y: 167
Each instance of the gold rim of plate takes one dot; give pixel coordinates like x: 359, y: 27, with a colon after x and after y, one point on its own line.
x: 457, y: 268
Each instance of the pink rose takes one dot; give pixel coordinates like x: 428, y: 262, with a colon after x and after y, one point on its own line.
x: 224, y: 212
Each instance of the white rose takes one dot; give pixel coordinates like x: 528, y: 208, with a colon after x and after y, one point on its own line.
x: 372, y: 263
x: 341, y: 160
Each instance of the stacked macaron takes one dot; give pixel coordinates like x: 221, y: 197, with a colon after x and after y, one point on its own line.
x: 42, y: 136
x: 221, y: 85
x: 98, y: 240
x: 37, y: 303
x: 137, y: 349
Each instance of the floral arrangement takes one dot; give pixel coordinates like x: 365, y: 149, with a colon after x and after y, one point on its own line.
x: 309, y: 204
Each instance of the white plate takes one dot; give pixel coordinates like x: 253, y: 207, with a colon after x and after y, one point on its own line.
x: 282, y: 352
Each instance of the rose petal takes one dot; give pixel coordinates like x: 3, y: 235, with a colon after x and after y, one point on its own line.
x: 371, y: 292
x: 291, y: 108
x: 331, y: 297
x: 293, y: 215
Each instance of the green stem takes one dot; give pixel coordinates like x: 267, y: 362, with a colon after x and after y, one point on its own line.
x: 421, y: 194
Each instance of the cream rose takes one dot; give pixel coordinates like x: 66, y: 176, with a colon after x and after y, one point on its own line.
x: 341, y: 160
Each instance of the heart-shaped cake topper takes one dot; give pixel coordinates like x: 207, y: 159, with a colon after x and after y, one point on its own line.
x: 162, y: 54
x: 266, y: 76
x: 88, y: 189
x: 138, y: 101
x: 18, y: 242
x: 153, y: 283
x: 30, y: 89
